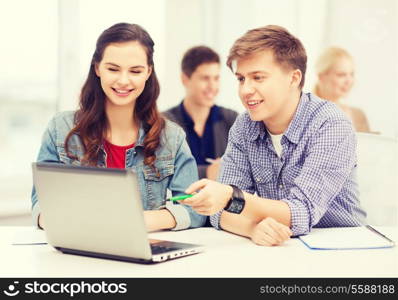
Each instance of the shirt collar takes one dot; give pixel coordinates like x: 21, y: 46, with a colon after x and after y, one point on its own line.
x: 187, y: 118
x: 258, y: 130
x: 296, y: 126
x: 214, y: 115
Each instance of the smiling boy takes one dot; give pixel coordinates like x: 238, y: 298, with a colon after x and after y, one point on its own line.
x: 290, y: 164
x: 205, y: 123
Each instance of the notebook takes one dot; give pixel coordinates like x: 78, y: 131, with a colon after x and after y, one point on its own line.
x: 363, y: 237
x: 98, y: 212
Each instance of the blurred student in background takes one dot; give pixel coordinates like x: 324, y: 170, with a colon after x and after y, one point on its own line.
x: 118, y: 126
x: 335, y: 70
x: 206, y: 124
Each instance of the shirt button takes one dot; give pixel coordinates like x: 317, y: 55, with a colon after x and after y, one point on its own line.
x: 281, y: 186
x: 258, y: 179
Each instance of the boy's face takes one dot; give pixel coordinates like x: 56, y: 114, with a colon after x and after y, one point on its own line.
x: 265, y: 88
x: 202, y: 87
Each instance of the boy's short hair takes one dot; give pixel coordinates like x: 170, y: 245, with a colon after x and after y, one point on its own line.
x: 196, y: 56
x: 288, y: 51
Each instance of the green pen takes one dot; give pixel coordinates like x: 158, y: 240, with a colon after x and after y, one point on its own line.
x: 178, y: 198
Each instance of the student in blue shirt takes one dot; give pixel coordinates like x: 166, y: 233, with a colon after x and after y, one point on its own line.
x: 290, y: 164
x: 205, y: 123
x: 118, y: 111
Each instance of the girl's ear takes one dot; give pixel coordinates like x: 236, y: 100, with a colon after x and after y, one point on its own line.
x: 96, y: 69
x: 149, y: 72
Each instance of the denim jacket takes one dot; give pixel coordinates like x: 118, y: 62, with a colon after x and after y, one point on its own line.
x: 174, y: 162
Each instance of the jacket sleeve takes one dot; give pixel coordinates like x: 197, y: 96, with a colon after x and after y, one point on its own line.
x: 47, y: 153
x: 185, y: 173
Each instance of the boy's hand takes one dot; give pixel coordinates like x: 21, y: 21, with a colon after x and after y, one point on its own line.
x: 212, y: 197
x: 270, y: 232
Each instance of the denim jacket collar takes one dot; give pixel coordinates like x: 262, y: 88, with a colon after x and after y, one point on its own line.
x: 141, y: 136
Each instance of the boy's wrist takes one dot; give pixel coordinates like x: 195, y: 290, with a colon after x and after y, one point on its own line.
x: 237, y: 202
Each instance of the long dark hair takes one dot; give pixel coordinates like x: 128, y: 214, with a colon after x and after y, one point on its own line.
x: 90, y: 119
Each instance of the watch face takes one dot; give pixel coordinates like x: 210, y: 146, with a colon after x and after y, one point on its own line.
x: 236, y: 206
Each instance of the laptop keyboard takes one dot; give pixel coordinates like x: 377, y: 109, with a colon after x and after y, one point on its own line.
x: 162, y: 249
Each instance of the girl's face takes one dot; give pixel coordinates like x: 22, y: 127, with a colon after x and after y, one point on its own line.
x: 123, y: 72
x: 339, y: 79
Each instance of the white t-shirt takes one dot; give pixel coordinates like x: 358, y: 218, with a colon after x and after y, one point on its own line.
x: 276, y: 141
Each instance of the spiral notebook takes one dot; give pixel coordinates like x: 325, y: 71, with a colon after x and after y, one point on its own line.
x: 346, y: 238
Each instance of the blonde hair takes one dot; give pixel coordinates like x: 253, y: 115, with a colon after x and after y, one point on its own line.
x: 327, y: 59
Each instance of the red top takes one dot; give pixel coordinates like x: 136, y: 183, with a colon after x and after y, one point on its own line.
x: 116, y: 155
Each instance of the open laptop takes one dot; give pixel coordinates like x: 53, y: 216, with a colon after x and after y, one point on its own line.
x: 98, y: 212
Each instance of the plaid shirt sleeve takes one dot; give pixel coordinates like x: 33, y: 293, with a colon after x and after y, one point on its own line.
x: 235, y: 166
x: 329, y: 161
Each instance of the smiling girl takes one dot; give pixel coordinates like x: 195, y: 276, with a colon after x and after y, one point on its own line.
x: 335, y: 69
x: 118, y: 126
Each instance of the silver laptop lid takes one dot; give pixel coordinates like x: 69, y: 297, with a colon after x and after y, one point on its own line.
x: 83, y: 208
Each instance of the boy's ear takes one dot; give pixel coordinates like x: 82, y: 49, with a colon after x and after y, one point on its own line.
x: 184, y: 78
x: 297, y: 76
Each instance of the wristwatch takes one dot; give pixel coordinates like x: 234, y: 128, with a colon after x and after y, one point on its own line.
x: 237, y: 202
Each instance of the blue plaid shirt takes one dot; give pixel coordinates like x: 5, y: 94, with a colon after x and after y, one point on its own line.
x: 315, y: 175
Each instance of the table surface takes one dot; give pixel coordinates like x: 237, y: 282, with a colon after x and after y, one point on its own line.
x: 225, y: 255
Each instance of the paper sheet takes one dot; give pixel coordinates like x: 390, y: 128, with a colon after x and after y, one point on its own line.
x: 345, y: 238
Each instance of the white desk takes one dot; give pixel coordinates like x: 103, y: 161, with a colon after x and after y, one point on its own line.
x: 226, y: 255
